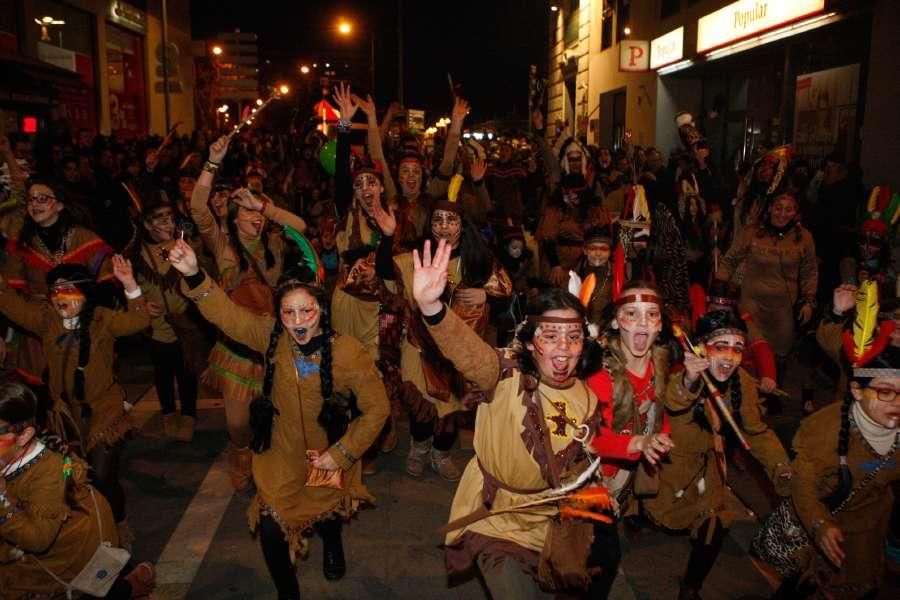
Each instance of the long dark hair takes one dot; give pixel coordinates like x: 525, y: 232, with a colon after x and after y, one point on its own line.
x: 30, y: 228
x: 556, y: 299
x: 474, y: 254
x: 334, y: 415
x: 235, y: 242
x: 725, y: 319
x: 20, y: 405
x: 86, y: 286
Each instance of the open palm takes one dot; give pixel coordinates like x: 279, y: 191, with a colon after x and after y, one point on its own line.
x: 430, y: 276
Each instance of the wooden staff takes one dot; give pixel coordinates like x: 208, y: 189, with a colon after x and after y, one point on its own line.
x: 710, y: 386
x: 253, y: 115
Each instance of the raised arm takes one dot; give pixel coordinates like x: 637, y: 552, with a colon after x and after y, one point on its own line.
x: 29, y: 315
x: 137, y: 317
x: 245, y: 198
x: 471, y: 356
x: 212, y: 235
x: 376, y: 150
x: 343, y: 182
x: 238, y: 323
x: 437, y: 185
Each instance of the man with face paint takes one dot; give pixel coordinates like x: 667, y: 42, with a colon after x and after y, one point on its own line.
x: 845, y: 467
x: 692, y: 483
x: 536, y: 404
x: 432, y: 389
x: 595, y: 261
x: 249, y: 262
x: 310, y: 369
x: 47, y: 239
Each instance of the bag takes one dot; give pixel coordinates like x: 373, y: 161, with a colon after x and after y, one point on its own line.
x: 316, y: 477
x: 780, y: 540
x: 563, y: 562
x: 99, y: 574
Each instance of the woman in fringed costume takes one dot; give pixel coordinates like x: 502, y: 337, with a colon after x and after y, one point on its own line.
x: 78, y: 338
x: 301, y: 420
x: 249, y: 261
x: 51, y: 520
x: 827, y: 540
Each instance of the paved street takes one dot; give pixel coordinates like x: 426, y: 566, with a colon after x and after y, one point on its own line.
x: 189, y: 522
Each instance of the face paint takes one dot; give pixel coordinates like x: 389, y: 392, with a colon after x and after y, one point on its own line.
x: 639, y: 323
x: 556, y: 347
x: 515, y: 248
x: 446, y: 225
x: 366, y: 191
x: 67, y: 299
x: 879, y: 401
x: 596, y: 253
x: 300, y: 314
x: 161, y: 225
x: 724, y: 353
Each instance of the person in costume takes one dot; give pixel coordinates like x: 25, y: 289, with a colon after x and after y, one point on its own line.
x: 756, y: 192
x: 775, y: 265
x: 432, y: 388
x: 530, y: 431
x: 873, y: 259
x: 178, y: 346
x: 51, y: 519
x: 300, y: 421
x: 692, y: 483
x: 78, y: 338
x: 249, y: 262
x: 48, y: 238
x: 846, y: 466
x: 634, y: 434
x: 595, y: 261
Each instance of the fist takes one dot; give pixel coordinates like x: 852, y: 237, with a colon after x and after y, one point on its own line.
x: 183, y: 258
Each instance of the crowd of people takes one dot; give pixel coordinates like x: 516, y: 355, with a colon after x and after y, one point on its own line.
x: 617, y: 327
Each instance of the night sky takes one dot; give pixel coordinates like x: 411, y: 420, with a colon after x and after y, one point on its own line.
x: 486, y: 45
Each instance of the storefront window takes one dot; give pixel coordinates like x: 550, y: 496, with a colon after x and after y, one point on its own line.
x: 127, y: 89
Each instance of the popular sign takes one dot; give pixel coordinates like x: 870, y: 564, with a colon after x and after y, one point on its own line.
x: 667, y: 49
x: 748, y: 17
x: 634, y: 55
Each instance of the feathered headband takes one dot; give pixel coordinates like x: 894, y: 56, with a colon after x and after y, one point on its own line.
x: 866, y: 339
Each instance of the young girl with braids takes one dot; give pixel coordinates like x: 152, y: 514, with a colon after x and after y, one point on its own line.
x: 531, y: 433
x: 309, y: 369
x: 846, y: 468
x: 249, y: 262
x: 78, y: 338
x: 51, y: 520
x: 692, y: 483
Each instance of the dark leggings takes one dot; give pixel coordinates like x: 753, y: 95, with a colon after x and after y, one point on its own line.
x: 277, y: 554
x: 703, y: 556
x: 420, y: 432
x: 169, y: 366
x: 105, y: 477
x: 606, y: 552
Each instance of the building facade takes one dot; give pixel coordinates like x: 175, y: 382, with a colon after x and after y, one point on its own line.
x: 96, y: 64
x: 753, y: 73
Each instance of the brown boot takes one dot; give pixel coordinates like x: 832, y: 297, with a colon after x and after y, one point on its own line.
x: 443, y: 465
x: 417, y: 457
x: 239, y: 462
x: 170, y: 425
x: 185, y: 430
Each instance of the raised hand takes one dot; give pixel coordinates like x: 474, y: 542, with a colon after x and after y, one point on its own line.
x: 219, y: 149
x: 430, y: 276
x: 183, y: 258
x: 386, y: 219
x: 478, y: 168
x: 123, y: 272
x: 693, y: 366
x: 460, y: 110
x: 367, y: 105
x: 844, y: 298
x: 344, y: 100
x: 245, y: 198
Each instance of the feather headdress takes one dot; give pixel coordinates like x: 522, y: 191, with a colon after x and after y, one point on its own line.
x: 310, y: 256
x: 866, y: 339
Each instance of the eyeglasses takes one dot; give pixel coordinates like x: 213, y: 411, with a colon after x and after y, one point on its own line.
x: 883, y: 394
x: 41, y: 199
x: 16, y: 429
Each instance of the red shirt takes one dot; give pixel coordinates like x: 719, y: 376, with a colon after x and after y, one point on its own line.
x: 611, y: 444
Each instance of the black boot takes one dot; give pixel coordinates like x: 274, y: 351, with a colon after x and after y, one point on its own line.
x: 333, y: 564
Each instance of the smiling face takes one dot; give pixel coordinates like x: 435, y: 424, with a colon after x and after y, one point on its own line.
x: 367, y: 191
x: 218, y: 202
x: 410, y: 177
x: 639, y: 323
x: 556, y: 347
x: 596, y: 253
x: 725, y: 353
x: 67, y: 299
x: 250, y: 223
x: 880, y: 400
x: 160, y: 224
x: 300, y: 314
x: 446, y: 225
x: 784, y: 211
x: 42, y: 205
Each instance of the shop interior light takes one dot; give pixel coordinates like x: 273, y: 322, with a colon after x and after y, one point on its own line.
x: 777, y: 34
x: 683, y: 64
x: 478, y: 135
x: 223, y: 108
x: 554, y: 8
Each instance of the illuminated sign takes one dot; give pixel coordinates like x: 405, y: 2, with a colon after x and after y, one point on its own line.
x: 128, y: 16
x: 634, y: 55
x: 748, y: 17
x: 667, y: 49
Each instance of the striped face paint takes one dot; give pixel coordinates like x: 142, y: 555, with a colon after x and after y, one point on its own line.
x: 67, y: 299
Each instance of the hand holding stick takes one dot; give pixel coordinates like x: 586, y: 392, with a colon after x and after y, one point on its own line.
x: 710, y: 386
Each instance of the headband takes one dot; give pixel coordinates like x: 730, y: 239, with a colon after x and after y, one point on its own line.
x: 61, y: 282
x: 17, y: 427
x: 874, y: 372
x: 721, y: 300
x: 652, y: 298
x: 537, y: 319
x: 724, y: 331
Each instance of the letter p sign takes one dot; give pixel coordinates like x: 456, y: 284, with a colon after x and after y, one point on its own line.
x: 634, y: 55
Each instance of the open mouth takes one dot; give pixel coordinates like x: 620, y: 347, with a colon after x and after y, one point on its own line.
x: 641, y: 340
x: 560, y: 366
x: 725, y: 369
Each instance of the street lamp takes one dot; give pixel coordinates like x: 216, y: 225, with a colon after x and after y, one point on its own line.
x: 304, y: 69
x: 283, y: 89
x: 345, y: 28
x: 217, y: 50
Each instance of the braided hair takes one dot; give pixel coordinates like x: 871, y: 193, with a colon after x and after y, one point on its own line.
x: 87, y: 286
x: 707, y: 325
x: 334, y: 414
x: 235, y: 242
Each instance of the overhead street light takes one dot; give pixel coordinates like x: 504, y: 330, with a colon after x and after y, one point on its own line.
x: 217, y: 50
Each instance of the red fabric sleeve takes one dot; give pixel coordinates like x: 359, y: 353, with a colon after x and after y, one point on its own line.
x: 607, y: 443
x: 763, y: 358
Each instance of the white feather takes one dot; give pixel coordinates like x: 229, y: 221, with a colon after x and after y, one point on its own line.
x: 574, y: 283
